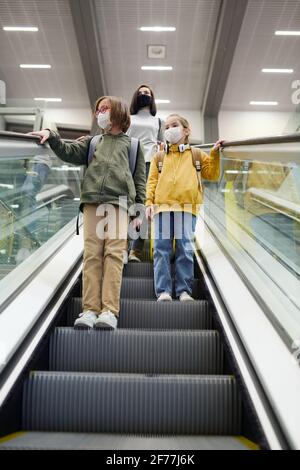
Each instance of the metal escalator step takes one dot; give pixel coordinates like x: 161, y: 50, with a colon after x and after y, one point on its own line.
x: 138, y: 270
x: 145, y: 269
x: 136, y: 288
x: 155, y: 315
x: 113, y: 403
x: 100, y: 441
x: 135, y: 351
x: 146, y: 257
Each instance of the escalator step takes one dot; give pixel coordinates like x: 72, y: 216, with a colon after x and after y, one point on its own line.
x: 137, y: 352
x: 155, y: 315
x: 120, y: 403
x: 146, y: 270
x: 100, y: 441
x: 138, y: 270
x: 136, y: 288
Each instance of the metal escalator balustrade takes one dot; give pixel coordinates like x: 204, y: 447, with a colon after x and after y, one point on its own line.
x: 39, y: 196
x: 248, y: 234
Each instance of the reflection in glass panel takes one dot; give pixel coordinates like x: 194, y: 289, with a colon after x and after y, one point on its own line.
x: 254, y: 212
x: 38, y: 196
x: 263, y: 199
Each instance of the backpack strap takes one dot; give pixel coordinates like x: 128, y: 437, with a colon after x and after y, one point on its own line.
x: 160, y: 161
x: 196, y: 156
x: 134, y: 145
x: 92, y: 147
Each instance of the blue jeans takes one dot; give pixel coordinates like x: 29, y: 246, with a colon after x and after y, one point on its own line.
x: 138, y: 244
x: 167, y: 227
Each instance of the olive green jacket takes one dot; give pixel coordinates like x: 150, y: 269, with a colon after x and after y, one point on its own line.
x: 107, y: 178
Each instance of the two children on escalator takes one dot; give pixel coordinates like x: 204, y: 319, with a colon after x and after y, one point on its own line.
x: 109, y: 189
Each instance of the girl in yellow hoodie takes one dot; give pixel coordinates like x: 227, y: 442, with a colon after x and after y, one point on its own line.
x: 174, y: 195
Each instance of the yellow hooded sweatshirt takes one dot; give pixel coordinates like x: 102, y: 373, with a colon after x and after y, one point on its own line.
x: 176, y: 188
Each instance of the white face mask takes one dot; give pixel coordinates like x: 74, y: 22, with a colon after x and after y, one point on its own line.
x: 104, y: 120
x: 173, y: 134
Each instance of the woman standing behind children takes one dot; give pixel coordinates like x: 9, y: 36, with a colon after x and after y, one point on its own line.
x: 146, y: 127
x: 108, y: 189
x: 174, y: 195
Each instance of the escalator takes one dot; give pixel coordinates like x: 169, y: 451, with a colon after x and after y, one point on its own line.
x: 221, y: 372
x: 163, y: 380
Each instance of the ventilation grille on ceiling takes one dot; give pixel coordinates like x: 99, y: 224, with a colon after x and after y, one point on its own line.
x: 156, y: 51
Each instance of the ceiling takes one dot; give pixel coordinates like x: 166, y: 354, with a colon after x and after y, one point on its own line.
x: 55, y: 44
x: 124, y: 51
x: 124, y: 47
x: 258, y: 48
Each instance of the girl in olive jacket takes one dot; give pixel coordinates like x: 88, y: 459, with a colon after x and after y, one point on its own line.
x: 108, y: 190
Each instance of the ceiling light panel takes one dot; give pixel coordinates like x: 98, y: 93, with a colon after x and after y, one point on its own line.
x: 158, y: 29
x: 20, y: 28
x: 35, y: 66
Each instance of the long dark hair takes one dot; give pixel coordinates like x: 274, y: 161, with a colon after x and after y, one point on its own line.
x: 134, y: 108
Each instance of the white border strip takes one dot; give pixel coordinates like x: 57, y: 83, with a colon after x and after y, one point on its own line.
x: 275, y: 366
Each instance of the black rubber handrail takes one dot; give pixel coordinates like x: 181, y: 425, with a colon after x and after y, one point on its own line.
x: 19, y: 135
x: 277, y: 139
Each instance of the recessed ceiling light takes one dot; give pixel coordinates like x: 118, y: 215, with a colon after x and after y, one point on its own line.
x: 264, y: 103
x: 20, y: 28
x: 277, y: 70
x: 35, y: 66
x: 48, y: 99
x: 162, y: 101
x: 157, y: 29
x: 156, y: 67
x: 287, y: 33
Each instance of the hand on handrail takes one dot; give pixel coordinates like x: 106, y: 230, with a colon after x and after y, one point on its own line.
x: 218, y: 144
x: 44, y: 135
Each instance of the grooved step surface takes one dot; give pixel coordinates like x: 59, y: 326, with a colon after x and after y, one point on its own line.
x: 145, y: 269
x: 134, y: 351
x: 82, y: 402
x: 138, y: 270
x: 143, y: 288
x: 94, y: 441
x: 155, y: 315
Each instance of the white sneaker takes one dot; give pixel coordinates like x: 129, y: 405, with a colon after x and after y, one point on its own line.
x: 106, y: 320
x: 85, y: 320
x: 133, y: 258
x: 164, y: 297
x: 184, y: 296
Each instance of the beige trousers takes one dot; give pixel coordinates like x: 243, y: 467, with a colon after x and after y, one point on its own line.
x: 105, y: 240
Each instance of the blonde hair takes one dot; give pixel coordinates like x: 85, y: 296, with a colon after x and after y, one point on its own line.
x: 184, y: 122
x: 119, y: 112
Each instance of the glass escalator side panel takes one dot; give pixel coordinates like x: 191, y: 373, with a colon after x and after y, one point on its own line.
x: 39, y: 195
x: 255, y: 208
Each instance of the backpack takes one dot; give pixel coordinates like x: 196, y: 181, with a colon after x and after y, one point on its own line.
x: 132, y: 157
x: 134, y: 145
x: 196, y: 156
